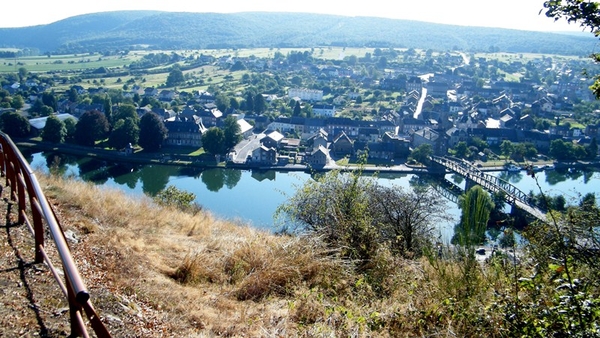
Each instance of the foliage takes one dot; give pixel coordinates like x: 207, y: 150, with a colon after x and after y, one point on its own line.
x: 231, y: 132
x: 359, y: 217
x: 152, y: 132
x: 406, y: 219
x: 70, y: 128
x: 54, y: 130
x: 174, y: 197
x: 15, y: 124
x: 126, y: 111
x: 335, y: 206
x: 175, y: 77
x: 476, y: 206
x: 124, y: 132
x: 565, y: 150
x: 91, y: 127
x: 422, y: 153
x: 213, y: 141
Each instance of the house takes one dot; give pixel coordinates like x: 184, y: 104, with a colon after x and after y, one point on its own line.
x: 186, y: 133
x: 414, y: 83
x: 264, y: 156
x: 317, y: 158
x: 342, y: 145
x: 410, y: 124
x: 245, y: 128
x: 325, y: 110
x: 438, y: 89
x: 150, y: 91
x: 424, y: 136
x: 368, y: 134
x: 272, y: 140
x: 401, y: 145
x: 210, y: 118
x: 166, y: 95
x: 306, y: 94
x: 318, y: 139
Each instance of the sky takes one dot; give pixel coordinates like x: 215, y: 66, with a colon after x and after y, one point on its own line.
x: 515, y: 14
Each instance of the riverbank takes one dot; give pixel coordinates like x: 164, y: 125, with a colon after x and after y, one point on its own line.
x: 166, y: 158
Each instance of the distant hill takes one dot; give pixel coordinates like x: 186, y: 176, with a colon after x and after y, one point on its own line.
x: 109, y: 31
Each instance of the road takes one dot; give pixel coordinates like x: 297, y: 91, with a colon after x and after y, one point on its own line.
x: 246, y: 146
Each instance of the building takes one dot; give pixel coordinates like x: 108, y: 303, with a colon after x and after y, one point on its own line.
x: 305, y: 94
x: 325, y: 110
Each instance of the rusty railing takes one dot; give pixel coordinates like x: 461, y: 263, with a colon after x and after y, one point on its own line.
x: 25, y: 188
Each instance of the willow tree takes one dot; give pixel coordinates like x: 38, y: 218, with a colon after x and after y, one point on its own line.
x: 476, y: 206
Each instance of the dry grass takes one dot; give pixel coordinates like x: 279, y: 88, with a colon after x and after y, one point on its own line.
x: 196, y: 274
x: 158, y: 272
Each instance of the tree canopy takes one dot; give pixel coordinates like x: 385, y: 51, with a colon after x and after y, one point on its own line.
x: 213, y: 141
x: 152, y: 132
x: 91, y: 127
x: 15, y: 124
x: 54, y: 130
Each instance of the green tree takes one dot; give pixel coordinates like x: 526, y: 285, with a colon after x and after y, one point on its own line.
x: 461, y: 150
x: 152, y: 132
x: 49, y: 99
x: 222, y: 101
x: 406, y: 218
x: 175, y: 77
x: 70, y: 127
x: 260, y: 104
x: 73, y: 95
x: 249, y: 102
x: 213, y: 141
x: 54, y: 130
x: 108, y: 111
x: 231, y: 132
x: 422, y: 153
x: 476, y: 206
x: 592, y: 149
x: 335, y: 207
x: 15, y: 124
x: 91, y: 127
x: 17, y: 102
x: 172, y: 196
x: 126, y: 111
x: 46, y: 110
x: 507, y: 148
x: 124, y: 132
x: 297, y: 109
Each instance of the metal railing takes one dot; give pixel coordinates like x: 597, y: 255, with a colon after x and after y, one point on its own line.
x: 26, y: 191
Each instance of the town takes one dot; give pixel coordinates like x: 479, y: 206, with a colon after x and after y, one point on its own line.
x: 301, y: 109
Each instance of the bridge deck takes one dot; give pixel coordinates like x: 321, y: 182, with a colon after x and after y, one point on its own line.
x: 491, y: 183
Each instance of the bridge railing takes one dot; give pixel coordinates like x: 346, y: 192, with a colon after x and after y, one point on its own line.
x: 35, y: 211
x: 464, y: 167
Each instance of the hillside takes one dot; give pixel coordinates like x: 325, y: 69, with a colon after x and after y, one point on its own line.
x: 110, y: 31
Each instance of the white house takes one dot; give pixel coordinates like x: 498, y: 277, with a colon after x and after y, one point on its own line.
x: 306, y: 94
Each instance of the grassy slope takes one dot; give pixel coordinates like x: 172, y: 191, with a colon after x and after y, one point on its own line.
x: 158, y: 272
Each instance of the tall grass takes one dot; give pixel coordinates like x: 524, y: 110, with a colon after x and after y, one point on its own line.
x: 191, y: 275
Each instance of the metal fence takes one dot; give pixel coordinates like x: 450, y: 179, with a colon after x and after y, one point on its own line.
x: 35, y: 211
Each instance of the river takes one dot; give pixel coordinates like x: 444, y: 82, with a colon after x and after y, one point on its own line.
x: 251, y: 197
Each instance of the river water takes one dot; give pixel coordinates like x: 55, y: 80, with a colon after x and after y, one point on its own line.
x: 252, y: 197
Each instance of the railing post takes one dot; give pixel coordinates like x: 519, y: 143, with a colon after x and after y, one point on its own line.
x: 21, y: 196
x: 38, y: 229
x: 74, y: 311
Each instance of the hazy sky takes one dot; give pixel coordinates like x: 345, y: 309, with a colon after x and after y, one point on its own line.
x: 517, y: 14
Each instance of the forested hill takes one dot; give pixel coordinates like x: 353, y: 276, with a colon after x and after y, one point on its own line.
x: 109, y: 31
